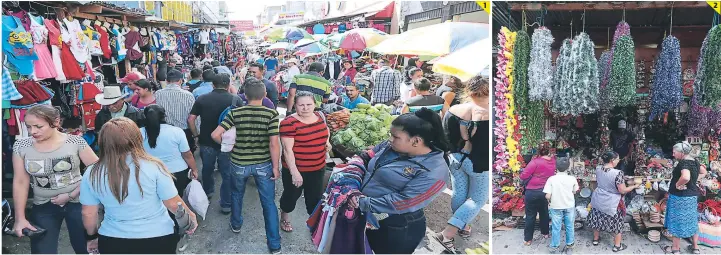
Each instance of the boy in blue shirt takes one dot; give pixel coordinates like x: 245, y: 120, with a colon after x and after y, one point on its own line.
x: 352, y: 97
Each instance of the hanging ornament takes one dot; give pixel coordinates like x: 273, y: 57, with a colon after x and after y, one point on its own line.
x: 622, y: 86
x: 666, y: 93
x: 604, y: 65
x: 584, y: 79
x: 506, y: 146
x: 540, y: 70
x: 521, y: 53
x: 700, y: 118
x: 711, y: 83
x: 562, y: 78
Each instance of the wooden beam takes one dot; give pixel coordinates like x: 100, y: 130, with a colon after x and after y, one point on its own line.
x: 93, y: 8
x: 605, y: 6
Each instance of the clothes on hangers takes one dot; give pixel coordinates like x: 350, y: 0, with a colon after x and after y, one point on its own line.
x: 54, y: 37
x: 77, y: 40
x: 17, y: 45
x: 132, y: 39
x: 9, y: 91
x: 44, y: 67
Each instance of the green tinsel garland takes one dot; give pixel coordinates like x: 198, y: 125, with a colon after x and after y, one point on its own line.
x: 622, y: 88
x: 712, y: 69
x: 530, y: 112
x: 585, y: 76
x: 562, y: 77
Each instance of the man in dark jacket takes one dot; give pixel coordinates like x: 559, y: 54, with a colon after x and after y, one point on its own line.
x: 114, y: 107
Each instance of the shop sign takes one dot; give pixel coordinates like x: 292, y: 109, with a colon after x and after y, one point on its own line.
x: 291, y: 15
x: 242, y: 25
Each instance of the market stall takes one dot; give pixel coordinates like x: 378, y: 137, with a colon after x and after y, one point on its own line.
x: 577, y: 88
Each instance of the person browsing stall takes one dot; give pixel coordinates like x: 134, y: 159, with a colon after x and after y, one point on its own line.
x: 403, y: 176
x: 352, y: 97
x: 115, y: 107
x: 136, y: 191
x: 560, y: 190
x: 49, y: 162
x: 536, y: 175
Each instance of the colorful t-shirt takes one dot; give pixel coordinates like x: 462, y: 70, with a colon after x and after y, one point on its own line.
x: 309, y: 147
x: 52, y: 173
x: 254, y: 126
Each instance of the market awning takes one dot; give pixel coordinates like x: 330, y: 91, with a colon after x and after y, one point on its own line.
x: 378, y: 9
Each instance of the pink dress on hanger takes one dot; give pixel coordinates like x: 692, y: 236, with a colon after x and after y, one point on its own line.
x: 44, y: 67
x: 55, y: 44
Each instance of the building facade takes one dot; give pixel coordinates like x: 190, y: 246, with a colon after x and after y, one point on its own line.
x: 415, y: 14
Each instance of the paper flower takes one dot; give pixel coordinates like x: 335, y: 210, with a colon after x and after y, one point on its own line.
x: 666, y: 94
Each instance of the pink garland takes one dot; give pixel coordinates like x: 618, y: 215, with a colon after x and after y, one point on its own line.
x: 501, y: 106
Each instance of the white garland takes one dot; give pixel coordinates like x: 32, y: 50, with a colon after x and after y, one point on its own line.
x: 584, y: 76
x: 562, y: 77
x: 540, y: 70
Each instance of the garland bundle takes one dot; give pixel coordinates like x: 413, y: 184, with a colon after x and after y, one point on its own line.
x: 604, y: 68
x: 521, y: 53
x: 562, y: 78
x: 622, y: 86
x: 700, y: 118
x: 506, y: 145
x: 711, y: 84
x: 584, y: 77
x: 621, y: 29
x: 666, y: 94
x: 540, y: 70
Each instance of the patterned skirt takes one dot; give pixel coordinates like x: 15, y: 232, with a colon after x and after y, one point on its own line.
x: 601, y: 221
x: 682, y: 216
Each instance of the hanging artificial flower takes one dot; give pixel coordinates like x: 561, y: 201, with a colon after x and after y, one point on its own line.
x: 504, y: 110
x: 604, y: 67
x: 622, y: 85
x: 540, y: 70
x: 584, y: 77
x: 700, y: 118
x: 666, y: 94
x: 562, y: 78
x: 528, y: 112
x: 711, y: 83
x: 512, y: 138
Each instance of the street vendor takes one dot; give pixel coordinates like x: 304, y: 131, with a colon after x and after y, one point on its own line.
x: 404, y: 175
x: 622, y: 141
x: 352, y: 97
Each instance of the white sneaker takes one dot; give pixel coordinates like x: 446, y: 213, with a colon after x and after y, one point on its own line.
x: 183, y: 243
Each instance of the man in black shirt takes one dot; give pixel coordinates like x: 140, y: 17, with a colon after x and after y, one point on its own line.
x: 258, y: 71
x: 209, y: 107
x: 622, y: 142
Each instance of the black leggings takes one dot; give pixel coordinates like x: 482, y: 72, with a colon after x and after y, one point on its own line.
x: 156, y: 245
x: 398, y: 234
x: 312, y: 184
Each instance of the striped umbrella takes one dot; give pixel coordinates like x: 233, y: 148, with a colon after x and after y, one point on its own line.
x: 434, y: 40
x: 359, y: 39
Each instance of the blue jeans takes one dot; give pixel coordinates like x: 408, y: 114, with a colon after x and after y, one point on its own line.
x: 210, y: 155
x: 266, y: 190
x: 470, y: 191
x: 565, y: 217
x: 50, y: 217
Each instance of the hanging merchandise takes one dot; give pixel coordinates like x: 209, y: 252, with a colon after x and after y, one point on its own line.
x: 711, y: 83
x: 17, y: 45
x: 701, y: 118
x: 530, y: 113
x: 666, y: 93
x: 44, y: 67
x: 562, y: 78
x: 584, y: 79
x: 540, y: 70
x: 507, y: 143
x: 622, y: 85
x: 604, y: 67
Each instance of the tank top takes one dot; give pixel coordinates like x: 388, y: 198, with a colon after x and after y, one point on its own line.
x: 479, y: 141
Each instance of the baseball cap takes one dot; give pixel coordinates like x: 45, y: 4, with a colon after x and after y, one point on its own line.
x: 130, y: 77
x: 174, y: 75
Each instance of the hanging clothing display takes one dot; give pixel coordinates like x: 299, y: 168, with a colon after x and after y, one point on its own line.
x: 17, y: 45
x: 132, y: 39
x: 104, y: 41
x: 44, y: 67
x: 77, y: 40
x: 55, y: 44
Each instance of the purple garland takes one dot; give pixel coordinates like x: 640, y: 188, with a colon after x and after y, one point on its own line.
x: 701, y: 119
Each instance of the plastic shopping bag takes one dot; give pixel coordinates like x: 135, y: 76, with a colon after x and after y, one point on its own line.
x: 196, y: 198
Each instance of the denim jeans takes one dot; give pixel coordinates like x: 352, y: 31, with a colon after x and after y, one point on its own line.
x: 210, y: 155
x: 50, y: 217
x: 398, y: 234
x: 565, y: 217
x: 470, y: 191
x: 266, y: 191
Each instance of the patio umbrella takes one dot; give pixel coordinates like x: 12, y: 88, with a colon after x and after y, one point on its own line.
x: 333, y: 40
x: 319, y: 37
x: 290, y: 33
x: 304, y: 42
x: 312, y: 49
x: 434, y: 40
x: 280, y: 46
x: 359, y: 39
x: 466, y: 62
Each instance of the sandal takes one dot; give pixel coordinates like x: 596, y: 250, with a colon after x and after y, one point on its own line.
x: 464, y: 233
x: 527, y: 243
x: 448, y: 245
x: 286, y: 226
x: 596, y: 242
x: 692, y: 250
x: 619, y: 248
x: 669, y: 250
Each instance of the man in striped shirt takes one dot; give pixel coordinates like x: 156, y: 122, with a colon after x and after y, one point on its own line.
x: 313, y: 82
x: 177, y: 103
x: 256, y: 153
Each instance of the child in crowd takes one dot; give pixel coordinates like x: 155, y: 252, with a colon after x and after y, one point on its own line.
x: 560, y: 190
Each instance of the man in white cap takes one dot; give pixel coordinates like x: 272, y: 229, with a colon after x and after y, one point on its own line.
x: 622, y: 143
x: 292, y: 71
x: 115, y: 107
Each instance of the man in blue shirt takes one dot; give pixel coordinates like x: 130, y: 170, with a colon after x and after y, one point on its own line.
x: 270, y: 66
x: 270, y: 87
x: 352, y: 97
x: 207, y: 85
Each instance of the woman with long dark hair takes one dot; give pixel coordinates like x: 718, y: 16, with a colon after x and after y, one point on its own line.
x: 168, y: 143
x: 136, y: 191
x: 144, y: 94
x: 466, y: 126
x: 404, y: 175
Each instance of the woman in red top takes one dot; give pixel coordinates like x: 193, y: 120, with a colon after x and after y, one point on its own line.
x: 304, y: 136
x: 536, y: 174
x: 144, y: 94
x: 348, y: 70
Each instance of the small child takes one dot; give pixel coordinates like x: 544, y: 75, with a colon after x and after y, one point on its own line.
x: 560, y: 190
